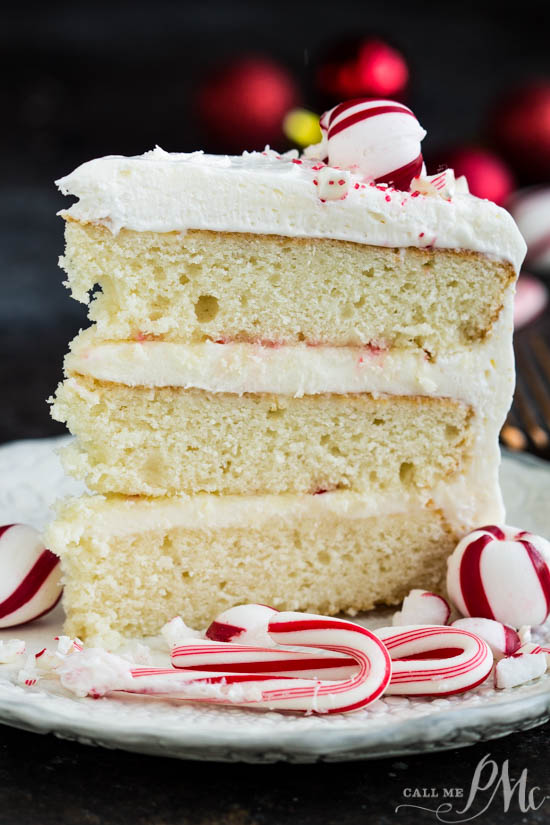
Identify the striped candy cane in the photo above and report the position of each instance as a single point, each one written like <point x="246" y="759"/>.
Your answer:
<point x="435" y="661"/>
<point x="215" y="656"/>
<point x="96" y="673"/>
<point x="465" y="661"/>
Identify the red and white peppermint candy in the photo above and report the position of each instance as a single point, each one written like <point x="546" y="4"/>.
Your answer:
<point x="443" y="184"/>
<point x="30" y="580"/>
<point x="533" y="647"/>
<point x="333" y="184"/>
<point x="422" y="607"/>
<point x="502" y="573"/>
<point x="380" y="138"/>
<point x="435" y="661"/>
<point x="95" y="673"/>
<point x="501" y="638"/>
<point x="11" y="650"/>
<point x="520" y="668"/>
<point x="246" y="624"/>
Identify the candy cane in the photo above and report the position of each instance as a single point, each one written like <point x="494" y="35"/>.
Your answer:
<point x="435" y="661"/>
<point x="96" y="673"/>
<point x="250" y="623"/>
<point x="283" y="662"/>
<point x="278" y="661"/>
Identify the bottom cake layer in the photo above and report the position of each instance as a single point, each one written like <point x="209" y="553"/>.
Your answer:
<point x="130" y="565"/>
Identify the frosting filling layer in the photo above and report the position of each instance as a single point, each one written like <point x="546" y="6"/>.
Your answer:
<point x="118" y="516"/>
<point x="481" y="373"/>
<point x="264" y="192"/>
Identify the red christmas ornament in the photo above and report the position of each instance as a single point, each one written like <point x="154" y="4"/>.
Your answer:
<point x="487" y="175"/>
<point x="242" y="104"/>
<point x="520" y="128"/>
<point x="368" y="67"/>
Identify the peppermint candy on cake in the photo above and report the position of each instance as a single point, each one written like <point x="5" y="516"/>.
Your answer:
<point x="444" y="184"/>
<point x="502" y="573"/>
<point x="333" y="184"/>
<point x="379" y="138"/>
<point x="30" y="581"/>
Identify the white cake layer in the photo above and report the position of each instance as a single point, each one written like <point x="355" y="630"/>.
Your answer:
<point x="264" y="192"/>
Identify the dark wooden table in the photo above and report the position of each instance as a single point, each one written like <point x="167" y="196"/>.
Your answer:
<point x="45" y="780"/>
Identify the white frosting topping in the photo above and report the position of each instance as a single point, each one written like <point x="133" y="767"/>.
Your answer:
<point x="264" y="192"/>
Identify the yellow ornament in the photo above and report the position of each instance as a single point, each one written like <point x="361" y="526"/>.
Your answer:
<point x="302" y="127"/>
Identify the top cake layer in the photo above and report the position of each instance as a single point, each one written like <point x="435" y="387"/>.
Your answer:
<point x="272" y="194"/>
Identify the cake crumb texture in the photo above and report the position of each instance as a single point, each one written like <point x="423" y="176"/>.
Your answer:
<point x="132" y="584"/>
<point x="203" y="285"/>
<point x="165" y="440"/>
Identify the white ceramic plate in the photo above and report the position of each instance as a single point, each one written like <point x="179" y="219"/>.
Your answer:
<point x="30" y="480"/>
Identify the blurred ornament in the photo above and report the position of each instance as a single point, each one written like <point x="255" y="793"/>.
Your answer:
<point x="487" y="175"/>
<point x="242" y="104"/>
<point x="302" y="127"/>
<point x="531" y="298"/>
<point x="520" y="128"/>
<point x="531" y="211"/>
<point x="363" y="67"/>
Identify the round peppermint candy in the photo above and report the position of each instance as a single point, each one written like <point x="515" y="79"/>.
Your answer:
<point x="380" y="138"/>
<point x="502" y="573"/>
<point x="30" y="576"/>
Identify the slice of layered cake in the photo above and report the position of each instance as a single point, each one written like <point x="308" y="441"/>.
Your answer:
<point x="294" y="383"/>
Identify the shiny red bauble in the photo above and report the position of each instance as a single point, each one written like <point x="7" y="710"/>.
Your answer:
<point x="365" y="67"/>
<point x="241" y="105"/>
<point x="487" y="175"/>
<point x="520" y="129"/>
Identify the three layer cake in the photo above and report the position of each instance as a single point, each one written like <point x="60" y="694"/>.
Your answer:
<point x="292" y="390"/>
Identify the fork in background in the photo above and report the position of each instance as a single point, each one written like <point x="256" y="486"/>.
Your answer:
<point x="528" y="423"/>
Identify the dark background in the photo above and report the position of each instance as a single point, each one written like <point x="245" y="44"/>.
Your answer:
<point x="81" y="80"/>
